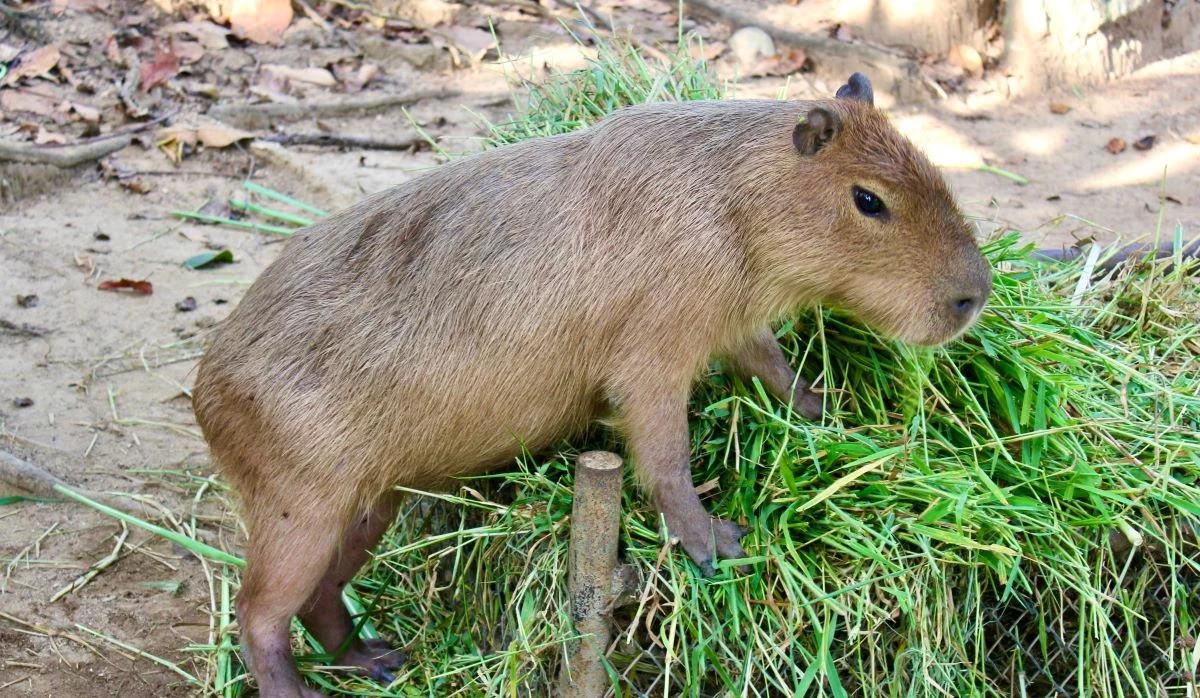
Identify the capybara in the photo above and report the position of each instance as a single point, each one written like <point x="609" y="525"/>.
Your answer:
<point x="504" y="301"/>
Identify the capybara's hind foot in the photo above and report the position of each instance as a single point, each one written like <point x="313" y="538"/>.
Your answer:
<point x="377" y="659"/>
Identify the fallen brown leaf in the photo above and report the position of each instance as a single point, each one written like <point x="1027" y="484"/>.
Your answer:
<point x="25" y="101"/>
<point x="34" y="64"/>
<point x="1059" y="108"/>
<point x="210" y="36"/>
<point x="356" y="80"/>
<point x="792" y="61"/>
<point x="471" y="41"/>
<point x="188" y="51"/>
<point x="312" y="76"/>
<point x="966" y="58"/>
<point x="164" y="67"/>
<point x="139" y="287"/>
<point x="260" y="21"/>
<point x="216" y="135"/>
<point x="1145" y="142"/>
<point x="1115" y="145"/>
<point x="44" y="137"/>
<point x="60" y="6"/>
<point x="86" y="112"/>
<point x="137" y="185"/>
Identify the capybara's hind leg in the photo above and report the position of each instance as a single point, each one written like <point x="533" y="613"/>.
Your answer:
<point x="288" y="554"/>
<point x="325" y="614"/>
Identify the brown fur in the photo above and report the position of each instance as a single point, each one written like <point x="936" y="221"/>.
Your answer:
<point x="508" y="299"/>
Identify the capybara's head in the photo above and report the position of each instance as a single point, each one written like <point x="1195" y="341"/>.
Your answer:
<point x="901" y="256"/>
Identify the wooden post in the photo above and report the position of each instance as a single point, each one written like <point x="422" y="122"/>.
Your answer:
<point x="593" y="574"/>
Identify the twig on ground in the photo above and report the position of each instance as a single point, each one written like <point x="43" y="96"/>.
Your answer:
<point x="336" y="140"/>
<point x="22" y="330"/>
<point x="263" y="115"/>
<point x="96" y="567"/>
<point x="62" y="156"/>
<point x="23" y="475"/>
<point x="1137" y="251"/>
<point x="129" y="85"/>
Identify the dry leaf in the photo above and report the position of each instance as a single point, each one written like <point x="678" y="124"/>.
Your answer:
<point x="140" y="287"/>
<point x="33" y="64"/>
<point x="8" y="52"/>
<point x="1059" y="108"/>
<point x="355" y="80"/>
<point x="260" y="21"/>
<point x="966" y="58"/>
<point x="210" y="36"/>
<point x="1145" y="142"/>
<point x="1115" y="145"/>
<point x="25" y="101"/>
<point x="471" y="41"/>
<point x="793" y="61"/>
<point x="188" y="51"/>
<point x="45" y="137"/>
<point x="164" y="67"/>
<point x="86" y="112"/>
<point x="60" y="6"/>
<point x="137" y="185"/>
<point x="311" y="76"/>
<point x="215" y="135"/>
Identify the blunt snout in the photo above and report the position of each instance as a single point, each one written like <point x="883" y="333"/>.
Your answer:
<point x="971" y="292"/>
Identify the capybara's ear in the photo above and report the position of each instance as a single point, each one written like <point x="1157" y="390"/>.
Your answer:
<point x="858" y="87"/>
<point x="818" y="128"/>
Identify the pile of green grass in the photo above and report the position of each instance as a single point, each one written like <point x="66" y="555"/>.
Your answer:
<point x="1015" y="514"/>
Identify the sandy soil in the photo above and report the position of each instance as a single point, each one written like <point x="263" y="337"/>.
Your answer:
<point x="107" y="373"/>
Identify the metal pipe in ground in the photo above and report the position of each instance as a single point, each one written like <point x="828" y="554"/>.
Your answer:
<point x="595" y="528"/>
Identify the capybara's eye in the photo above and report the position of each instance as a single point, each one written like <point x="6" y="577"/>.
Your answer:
<point x="868" y="202"/>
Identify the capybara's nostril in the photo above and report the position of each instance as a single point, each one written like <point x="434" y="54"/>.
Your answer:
<point x="966" y="306"/>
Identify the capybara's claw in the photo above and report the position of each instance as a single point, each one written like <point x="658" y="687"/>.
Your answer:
<point x="723" y="536"/>
<point x="808" y="403"/>
<point x="376" y="658"/>
<point x="728" y="536"/>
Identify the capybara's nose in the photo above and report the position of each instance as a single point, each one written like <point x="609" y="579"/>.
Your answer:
<point x="965" y="307"/>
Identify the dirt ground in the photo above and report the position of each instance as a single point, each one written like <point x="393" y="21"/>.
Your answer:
<point x="93" y="384"/>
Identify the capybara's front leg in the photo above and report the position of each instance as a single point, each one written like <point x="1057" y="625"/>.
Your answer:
<point x="761" y="356"/>
<point x="657" y="433"/>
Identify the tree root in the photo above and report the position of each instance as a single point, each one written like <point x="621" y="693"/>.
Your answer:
<point x="23" y="475"/>
<point x="336" y="140"/>
<point x="1136" y="251"/>
<point x="62" y="156"/>
<point x="261" y="116"/>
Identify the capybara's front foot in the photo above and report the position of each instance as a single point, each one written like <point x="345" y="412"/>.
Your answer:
<point x="701" y="539"/>
<point x="806" y="401"/>
<point x="376" y="658"/>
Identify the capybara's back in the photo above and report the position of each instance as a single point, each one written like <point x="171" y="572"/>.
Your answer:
<point x="505" y="300"/>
